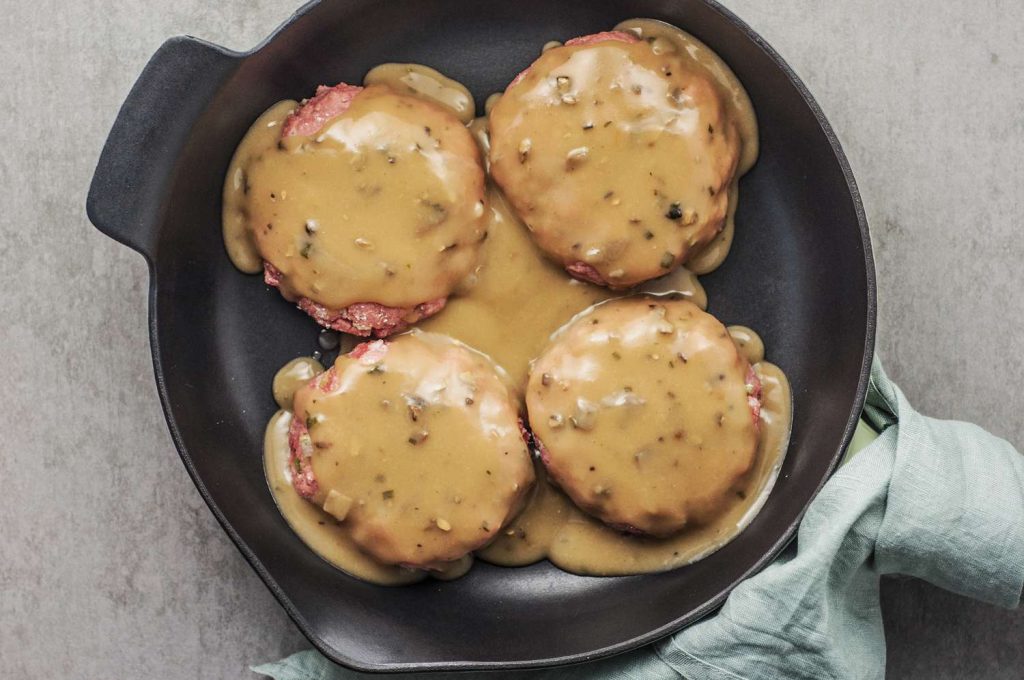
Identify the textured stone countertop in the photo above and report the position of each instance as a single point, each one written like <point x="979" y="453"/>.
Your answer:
<point x="111" y="566"/>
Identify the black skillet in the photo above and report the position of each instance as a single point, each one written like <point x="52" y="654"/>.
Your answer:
<point x="800" y="273"/>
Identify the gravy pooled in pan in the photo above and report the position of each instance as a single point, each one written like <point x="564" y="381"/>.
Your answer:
<point x="507" y="306"/>
<point x="414" y="446"/>
<point x="517" y="297"/>
<point x="621" y="153"/>
<point x="363" y="205"/>
<point x="553" y="527"/>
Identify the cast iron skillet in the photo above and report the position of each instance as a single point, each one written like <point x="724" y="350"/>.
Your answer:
<point x="800" y="273"/>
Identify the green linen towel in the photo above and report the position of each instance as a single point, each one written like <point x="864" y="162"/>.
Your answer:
<point x="939" y="500"/>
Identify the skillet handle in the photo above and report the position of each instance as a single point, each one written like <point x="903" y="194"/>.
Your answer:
<point x="128" y="190"/>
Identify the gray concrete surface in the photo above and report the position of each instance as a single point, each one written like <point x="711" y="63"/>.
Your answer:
<point x="110" y="564"/>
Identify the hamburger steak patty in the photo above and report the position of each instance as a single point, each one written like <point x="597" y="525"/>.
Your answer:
<point x="414" y="221"/>
<point x="618" y="158"/>
<point x="645" y="413"/>
<point x="581" y="270"/>
<point x="415" y="445"/>
<point x="362" y="318"/>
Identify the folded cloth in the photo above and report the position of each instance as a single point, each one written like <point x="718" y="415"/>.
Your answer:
<point x="939" y="500"/>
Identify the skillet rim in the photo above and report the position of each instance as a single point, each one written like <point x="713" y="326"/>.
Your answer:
<point x="635" y="642"/>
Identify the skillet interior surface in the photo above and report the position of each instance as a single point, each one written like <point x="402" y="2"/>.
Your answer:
<point x="800" y="273"/>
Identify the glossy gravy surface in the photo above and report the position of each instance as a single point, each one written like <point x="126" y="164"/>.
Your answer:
<point x="320" y="531"/>
<point x="553" y="527"/>
<point x="665" y="37"/>
<point x="642" y="405"/>
<point x="507" y="308"/>
<point x="416" y="447"/>
<point x="384" y="204"/>
<point x="517" y="298"/>
<point x="568" y="135"/>
<point x="427" y="83"/>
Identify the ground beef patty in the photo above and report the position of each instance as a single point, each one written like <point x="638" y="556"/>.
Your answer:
<point x="618" y="159"/>
<point x="360" y="318"/>
<point x="415" y="444"/>
<point x="645" y="413"/>
<point x="370" y="209"/>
